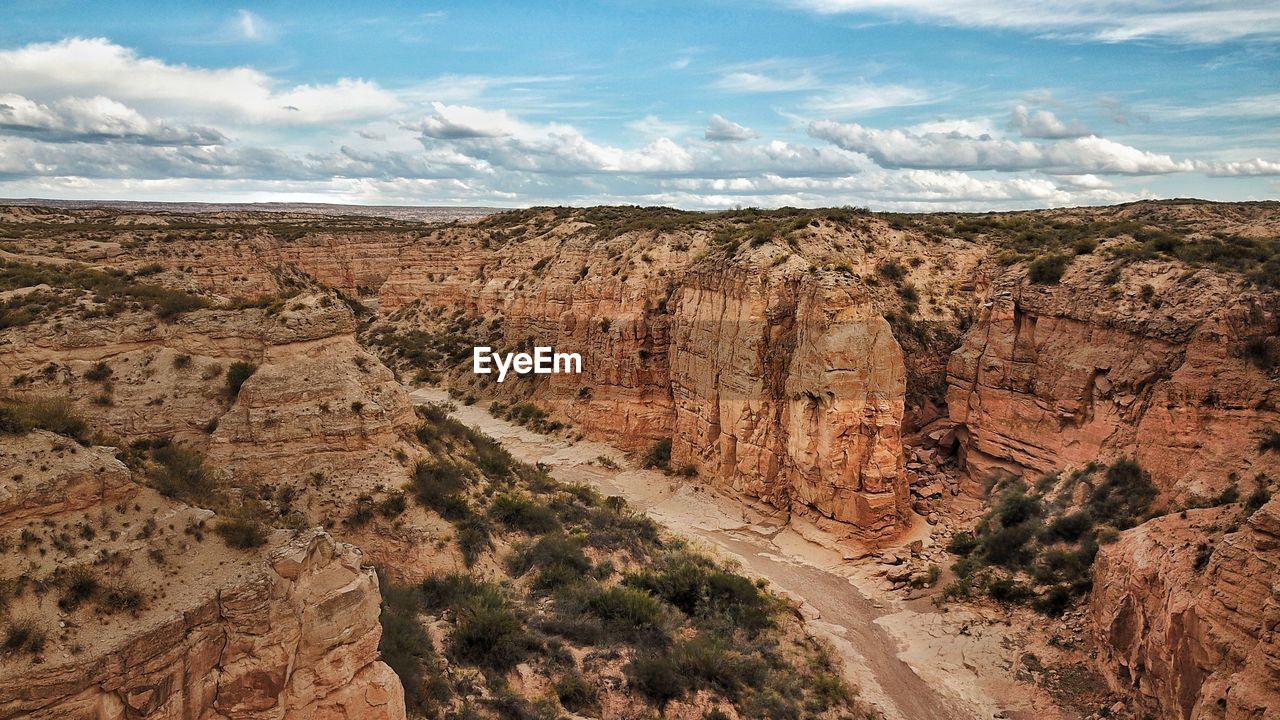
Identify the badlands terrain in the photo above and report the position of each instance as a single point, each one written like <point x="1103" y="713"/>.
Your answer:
<point x="818" y="464"/>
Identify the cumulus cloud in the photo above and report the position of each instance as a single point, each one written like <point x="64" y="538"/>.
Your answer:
<point x="1044" y="124"/>
<point x="97" y="67"/>
<point x="94" y="119"/>
<point x="1196" y="21"/>
<point x="721" y="129"/>
<point x="957" y="151"/>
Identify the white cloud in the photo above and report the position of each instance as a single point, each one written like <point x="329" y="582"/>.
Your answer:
<point x="721" y="129"/>
<point x="93" y="119"/>
<point x="250" y="27"/>
<point x="1044" y="124"/>
<point x="652" y="126"/>
<point x="95" y="66"/>
<point x="958" y="151"/>
<point x="453" y="122"/>
<point x="861" y="98"/>
<point x="1238" y="168"/>
<point x="769" y="76"/>
<point x="1196" y="21"/>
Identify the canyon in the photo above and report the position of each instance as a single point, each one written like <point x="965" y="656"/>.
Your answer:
<point x="878" y="378"/>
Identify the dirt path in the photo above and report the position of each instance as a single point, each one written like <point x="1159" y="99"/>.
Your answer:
<point x="911" y="664"/>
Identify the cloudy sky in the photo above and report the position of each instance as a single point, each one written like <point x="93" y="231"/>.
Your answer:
<point x="892" y="104"/>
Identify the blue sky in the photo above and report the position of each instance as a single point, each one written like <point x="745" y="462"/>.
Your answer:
<point x="892" y="104"/>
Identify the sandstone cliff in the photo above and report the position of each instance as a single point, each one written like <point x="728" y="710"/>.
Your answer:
<point x="298" y="638"/>
<point x="1186" y="616"/>
<point x="1061" y="375"/>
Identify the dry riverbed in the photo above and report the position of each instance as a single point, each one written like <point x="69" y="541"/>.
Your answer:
<point x="910" y="660"/>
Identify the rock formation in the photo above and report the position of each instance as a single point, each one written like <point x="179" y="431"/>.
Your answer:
<point x="297" y="639"/>
<point x="1193" y="634"/>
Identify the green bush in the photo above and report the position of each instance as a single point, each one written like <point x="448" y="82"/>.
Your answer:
<point x="558" y="557"/>
<point x="576" y="694"/>
<point x="237" y="374"/>
<point x="701" y="590"/>
<point x="1124" y="495"/>
<point x="658" y="678"/>
<point x="438" y="484"/>
<point x="659" y="456"/>
<point x="519" y="512"/>
<point x="180" y="473"/>
<point x="1048" y="270"/>
<point x="406" y="647"/>
<point x="627" y="612"/>
<point x="491" y="637"/>
<point x="242" y="533"/>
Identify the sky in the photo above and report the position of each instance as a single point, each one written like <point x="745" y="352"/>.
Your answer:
<point x="916" y="105"/>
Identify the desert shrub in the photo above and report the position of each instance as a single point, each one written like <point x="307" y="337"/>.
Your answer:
<point x="1070" y="527"/>
<point x="1048" y="270"/>
<point x="962" y="543"/>
<point x="558" y="558"/>
<point x="237" y="374"/>
<point x="1007" y="590"/>
<point x="406" y="647"/>
<point x="577" y="694"/>
<point x="1124" y="495"/>
<point x="658" y="678"/>
<point x="24" y="635"/>
<point x="473" y="538"/>
<point x="120" y="595"/>
<point x="79" y="583"/>
<point x="628" y="612"/>
<point x="892" y="270"/>
<point x="659" y="456"/>
<point x="392" y="506"/>
<point x="438" y="484"/>
<point x="520" y="512"/>
<point x="1055" y="602"/>
<point x="1016" y="507"/>
<point x="701" y="590"/>
<point x="491" y="637"/>
<point x="242" y="533"/>
<point x="12" y="422"/>
<point x="55" y="414"/>
<point x="179" y="472"/>
<point x="99" y="372"/>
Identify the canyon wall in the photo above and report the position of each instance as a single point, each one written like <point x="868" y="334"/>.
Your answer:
<point x="299" y="639"/>
<point x="1058" y="375"/>
<point x="789" y="388"/>
<point x="1193" y="635"/>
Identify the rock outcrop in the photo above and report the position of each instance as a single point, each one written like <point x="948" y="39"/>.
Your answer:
<point x="1193" y="635"/>
<point x="43" y="475"/>
<point x="298" y="639"/>
<point x="1056" y="375"/>
<point x="789" y="388"/>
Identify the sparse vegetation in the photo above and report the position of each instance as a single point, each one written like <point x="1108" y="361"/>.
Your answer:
<point x="1034" y="547"/>
<point x="237" y="374"/>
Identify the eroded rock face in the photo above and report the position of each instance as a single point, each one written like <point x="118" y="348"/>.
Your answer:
<point x="1193" y="642"/>
<point x="166" y="378"/>
<point x="1065" y="374"/>
<point x="43" y="475"/>
<point x="321" y="406"/>
<point x="789" y="389"/>
<point x="299" y="640"/>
